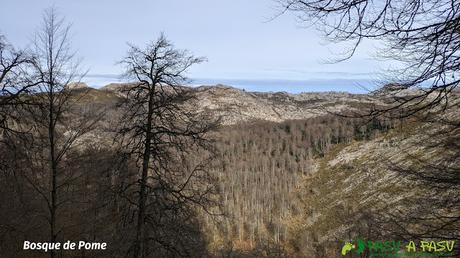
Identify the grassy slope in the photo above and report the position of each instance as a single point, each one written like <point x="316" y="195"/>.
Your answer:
<point x="354" y="193"/>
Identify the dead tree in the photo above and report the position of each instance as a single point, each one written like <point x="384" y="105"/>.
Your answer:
<point x="161" y="131"/>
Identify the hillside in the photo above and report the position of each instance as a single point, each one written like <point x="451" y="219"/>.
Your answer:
<point x="288" y="177"/>
<point x="290" y="172"/>
<point x="400" y="185"/>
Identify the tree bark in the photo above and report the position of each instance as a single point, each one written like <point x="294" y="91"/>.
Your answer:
<point x="140" y="229"/>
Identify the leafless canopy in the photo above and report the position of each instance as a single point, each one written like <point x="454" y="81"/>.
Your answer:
<point x="13" y="80"/>
<point x="162" y="132"/>
<point x="53" y="125"/>
<point x="422" y="35"/>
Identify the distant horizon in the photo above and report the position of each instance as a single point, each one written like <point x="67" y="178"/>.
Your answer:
<point x="255" y="51"/>
<point x="295" y="86"/>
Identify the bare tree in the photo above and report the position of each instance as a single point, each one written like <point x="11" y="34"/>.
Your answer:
<point x="50" y="119"/>
<point x="13" y="84"/>
<point x="422" y="35"/>
<point x="13" y="80"/>
<point x="161" y="130"/>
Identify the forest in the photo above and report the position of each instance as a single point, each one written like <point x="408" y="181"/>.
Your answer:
<point x="147" y="173"/>
<point x="235" y="204"/>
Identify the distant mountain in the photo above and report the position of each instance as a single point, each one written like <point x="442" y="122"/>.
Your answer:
<point x="238" y="106"/>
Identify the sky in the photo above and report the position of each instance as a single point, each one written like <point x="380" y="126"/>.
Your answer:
<point x="242" y="41"/>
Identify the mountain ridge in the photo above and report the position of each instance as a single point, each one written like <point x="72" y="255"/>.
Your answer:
<point x="235" y="105"/>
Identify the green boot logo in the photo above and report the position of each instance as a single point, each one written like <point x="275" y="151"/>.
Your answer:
<point x="347" y="248"/>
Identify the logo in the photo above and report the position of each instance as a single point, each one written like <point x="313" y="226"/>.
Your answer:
<point x="394" y="248"/>
<point x="347" y="248"/>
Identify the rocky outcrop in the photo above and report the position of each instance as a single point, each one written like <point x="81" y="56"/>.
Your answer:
<point x="77" y="85"/>
<point x="235" y="106"/>
<point x="238" y="106"/>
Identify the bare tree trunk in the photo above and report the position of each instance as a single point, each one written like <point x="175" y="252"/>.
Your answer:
<point x="140" y="231"/>
<point x="53" y="166"/>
